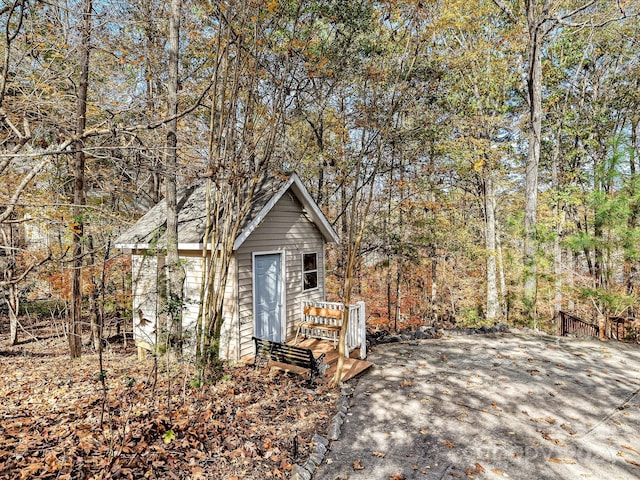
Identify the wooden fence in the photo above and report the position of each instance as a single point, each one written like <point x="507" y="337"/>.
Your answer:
<point x="571" y="325"/>
<point x="623" y="328"/>
<point x="615" y="328"/>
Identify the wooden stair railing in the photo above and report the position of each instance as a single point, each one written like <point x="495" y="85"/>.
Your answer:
<point x="571" y="325"/>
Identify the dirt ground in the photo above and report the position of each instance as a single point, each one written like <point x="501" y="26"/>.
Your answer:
<point x="59" y="422"/>
<point x="526" y="407"/>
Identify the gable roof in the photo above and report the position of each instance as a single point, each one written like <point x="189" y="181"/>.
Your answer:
<point x="150" y="228"/>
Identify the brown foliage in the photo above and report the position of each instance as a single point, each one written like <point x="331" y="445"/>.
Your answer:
<point x="249" y="425"/>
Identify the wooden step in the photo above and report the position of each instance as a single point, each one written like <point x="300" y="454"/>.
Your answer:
<point x="351" y="368"/>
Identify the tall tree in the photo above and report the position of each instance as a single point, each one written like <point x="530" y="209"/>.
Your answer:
<point x="249" y="103"/>
<point x="175" y="271"/>
<point x="482" y="90"/>
<point x="542" y="19"/>
<point x="79" y="199"/>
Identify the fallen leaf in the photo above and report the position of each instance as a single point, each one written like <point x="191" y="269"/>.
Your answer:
<point x="250" y="448"/>
<point x="197" y="473"/>
<point x="554" y="460"/>
<point x="357" y="465"/>
<point x="479" y="468"/>
<point x="29" y="470"/>
<point x="379" y="454"/>
<point x="630" y="448"/>
<point x="449" y="444"/>
<point x="397" y="476"/>
<point x="547" y="436"/>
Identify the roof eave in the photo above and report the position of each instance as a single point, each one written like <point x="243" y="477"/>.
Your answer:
<point x="146" y="246"/>
<point x="133" y="246"/>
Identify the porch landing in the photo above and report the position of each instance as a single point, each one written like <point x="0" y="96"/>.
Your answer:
<point x="352" y="366"/>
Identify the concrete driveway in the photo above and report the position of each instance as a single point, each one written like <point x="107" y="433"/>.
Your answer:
<point x="493" y="406"/>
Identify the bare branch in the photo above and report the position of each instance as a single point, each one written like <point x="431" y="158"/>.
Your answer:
<point x="506" y="10"/>
<point x="576" y="11"/>
<point x="23" y="275"/>
<point x="25" y="181"/>
<point x="562" y="20"/>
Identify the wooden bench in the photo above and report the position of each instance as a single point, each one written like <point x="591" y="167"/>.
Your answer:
<point x="320" y="322"/>
<point x="289" y="354"/>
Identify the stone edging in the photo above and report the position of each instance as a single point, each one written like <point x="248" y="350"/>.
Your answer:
<point x="320" y="444"/>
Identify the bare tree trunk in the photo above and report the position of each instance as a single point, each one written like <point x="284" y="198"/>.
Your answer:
<point x="571" y="270"/>
<point x="175" y="272"/>
<point x="240" y="152"/>
<point x="434" y="286"/>
<point x="398" y="293"/>
<point x="13" y="302"/>
<point x="631" y="264"/>
<point x="358" y="216"/>
<point x="432" y="249"/>
<point x="75" y="320"/>
<point x="501" y="277"/>
<point x="493" y="302"/>
<point x="389" y="276"/>
<point x="389" y="282"/>
<point x="535" y="24"/>
<point x="94" y="304"/>
<point x="153" y="79"/>
<point x="557" y="249"/>
<point x="601" y="186"/>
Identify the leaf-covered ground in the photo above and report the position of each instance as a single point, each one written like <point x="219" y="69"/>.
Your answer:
<point x="58" y="423"/>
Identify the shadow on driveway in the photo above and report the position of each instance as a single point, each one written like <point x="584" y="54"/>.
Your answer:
<point x="495" y="406"/>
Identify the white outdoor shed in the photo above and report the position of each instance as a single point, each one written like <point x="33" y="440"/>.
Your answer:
<point x="278" y="264"/>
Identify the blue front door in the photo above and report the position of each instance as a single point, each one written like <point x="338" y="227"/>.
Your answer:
<point x="268" y="297"/>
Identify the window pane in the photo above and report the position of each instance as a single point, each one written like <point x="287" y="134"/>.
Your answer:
<point x="309" y="261"/>
<point x="310" y="280"/>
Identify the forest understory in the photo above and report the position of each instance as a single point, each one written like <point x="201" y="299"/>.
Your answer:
<point x="148" y="420"/>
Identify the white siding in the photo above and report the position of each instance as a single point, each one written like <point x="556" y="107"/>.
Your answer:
<point x="229" y="336"/>
<point x="192" y="264"/>
<point x="285" y="229"/>
<point x="146" y="301"/>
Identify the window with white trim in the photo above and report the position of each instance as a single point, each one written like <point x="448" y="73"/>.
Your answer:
<point x="309" y="271"/>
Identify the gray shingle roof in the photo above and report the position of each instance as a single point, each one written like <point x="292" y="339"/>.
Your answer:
<point x="150" y="228"/>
